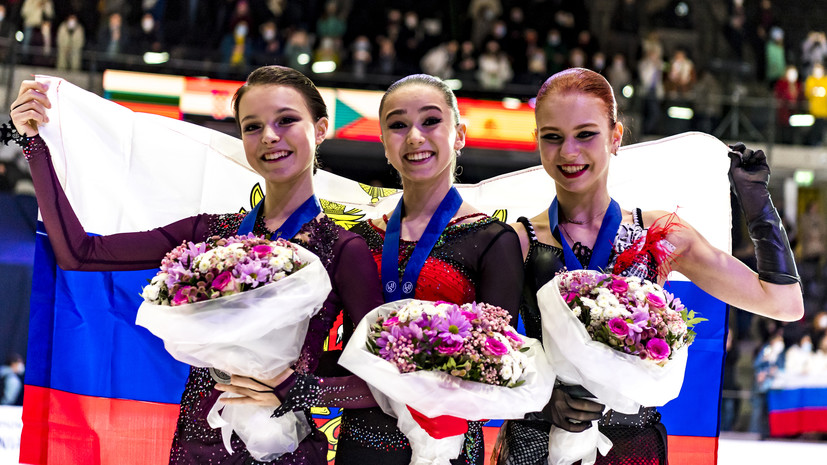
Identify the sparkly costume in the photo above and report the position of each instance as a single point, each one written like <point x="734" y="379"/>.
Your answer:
<point x="638" y="439"/>
<point x="356" y="288"/>
<point x="475" y="261"/>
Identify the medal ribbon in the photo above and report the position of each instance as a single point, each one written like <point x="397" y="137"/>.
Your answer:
<point x="602" y="246"/>
<point x="306" y="212"/>
<point x="391" y="287"/>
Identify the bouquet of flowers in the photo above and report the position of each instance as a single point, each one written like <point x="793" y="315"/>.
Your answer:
<point x="624" y="339"/>
<point x="434" y="359"/>
<point x="240" y="305"/>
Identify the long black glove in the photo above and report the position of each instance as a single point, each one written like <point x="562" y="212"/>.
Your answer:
<point x="749" y="174"/>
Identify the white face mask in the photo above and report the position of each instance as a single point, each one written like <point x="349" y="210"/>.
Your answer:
<point x="71" y="24"/>
<point x="147" y="24"/>
<point x="241" y="30"/>
<point x="777" y="347"/>
<point x="2" y="15"/>
<point x="822" y="322"/>
<point x="269" y="34"/>
<point x="807" y="346"/>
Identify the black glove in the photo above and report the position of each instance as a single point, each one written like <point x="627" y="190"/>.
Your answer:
<point x="569" y="409"/>
<point x="748" y="176"/>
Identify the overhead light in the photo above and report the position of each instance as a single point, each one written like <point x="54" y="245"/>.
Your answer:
<point x="628" y="91"/>
<point x="680" y="113"/>
<point x="453" y="84"/>
<point x="804" y="178"/>
<point x="303" y="58"/>
<point x="512" y="103"/>
<point x="320" y="67"/>
<point x="156" y="58"/>
<point x="18" y="36"/>
<point x="802" y="121"/>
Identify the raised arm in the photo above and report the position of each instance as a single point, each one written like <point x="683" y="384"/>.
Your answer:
<point x="774" y="291"/>
<point x="73" y="248"/>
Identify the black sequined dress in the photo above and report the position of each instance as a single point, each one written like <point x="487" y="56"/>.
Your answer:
<point x="637" y="439"/>
<point x="472" y="261"/>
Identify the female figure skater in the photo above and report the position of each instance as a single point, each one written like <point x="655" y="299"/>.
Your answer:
<point x="577" y="132"/>
<point x="433" y="246"/>
<point x="282" y="119"/>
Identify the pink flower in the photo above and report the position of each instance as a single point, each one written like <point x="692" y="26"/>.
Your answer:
<point x="513" y="337"/>
<point x="392" y="321"/>
<point x="619" y="286"/>
<point x="658" y="348"/>
<point x="224" y="282"/>
<point x="262" y="250"/>
<point x="655" y="301"/>
<point x="618" y="327"/>
<point x="182" y="296"/>
<point x="570" y="296"/>
<point x="495" y="347"/>
<point x="449" y="347"/>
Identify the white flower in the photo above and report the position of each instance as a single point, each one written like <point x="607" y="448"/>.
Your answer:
<point x="404" y="314"/>
<point x="577" y="311"/>
<point x="150" y="292"/>
<point x="506" y="371"/>
<point x="634" y="285"/>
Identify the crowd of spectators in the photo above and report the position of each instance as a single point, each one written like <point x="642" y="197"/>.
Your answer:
<point x="486" y="44"/>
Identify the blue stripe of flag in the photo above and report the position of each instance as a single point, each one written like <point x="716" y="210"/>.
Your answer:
<point x="83" y="338"/>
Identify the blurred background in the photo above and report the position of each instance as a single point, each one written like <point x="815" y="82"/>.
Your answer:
<point x="741" y="70"/>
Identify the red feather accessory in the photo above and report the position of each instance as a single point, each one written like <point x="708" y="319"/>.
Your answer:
<point x="652" y="249"/>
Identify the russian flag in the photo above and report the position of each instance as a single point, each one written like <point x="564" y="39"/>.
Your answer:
<point x="101" y="390"/>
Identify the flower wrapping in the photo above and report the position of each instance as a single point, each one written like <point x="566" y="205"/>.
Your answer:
<point x="435" y="393"/>
<point x="621" y="376"/>
<point x="256" y="333"/>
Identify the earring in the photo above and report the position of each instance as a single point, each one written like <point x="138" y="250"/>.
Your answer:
<point x="459" y="153"/>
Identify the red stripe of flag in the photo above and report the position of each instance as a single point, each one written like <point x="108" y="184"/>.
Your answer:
<point x="60" y="427"/>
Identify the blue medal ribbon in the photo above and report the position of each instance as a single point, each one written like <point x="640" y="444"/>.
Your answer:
<point x="602" y="246"/>
<point x="391" y="286"/>
<point x="309" y="210"/>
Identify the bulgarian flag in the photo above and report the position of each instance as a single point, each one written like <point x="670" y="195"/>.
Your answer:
<point x="101" y="390"/>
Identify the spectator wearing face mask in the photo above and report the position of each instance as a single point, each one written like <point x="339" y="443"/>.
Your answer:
<point x="112" y="37"/>
<point x="769" y="361"/>
<point x="70" y="42"/>
<point x="361" y="58"/>
<point x="556" y="52"/>
<point x="236" y="47"/>
<point x="789" y="97"/>
<point x="267" y="48"/>
<point x="148" y="37"/>
<point x="799" y="354"/>
<point x="815" y="89"/>
<point x="11" y="380"/>
<point x="775" y="55"/>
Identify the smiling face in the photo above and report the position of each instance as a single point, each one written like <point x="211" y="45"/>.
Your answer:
<point x="279" y="133"/>
<point x="576" y="140"/>
<point x="420" y="134"/>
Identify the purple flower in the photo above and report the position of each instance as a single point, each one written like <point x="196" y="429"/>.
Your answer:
<point x="449" y="347"/>
<point x="619" y="286"/>
<point x="454" y="327"/>
<point x="618" y="327"/>
<point x="495" y="347"/>
<point x="658" y="348"/>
